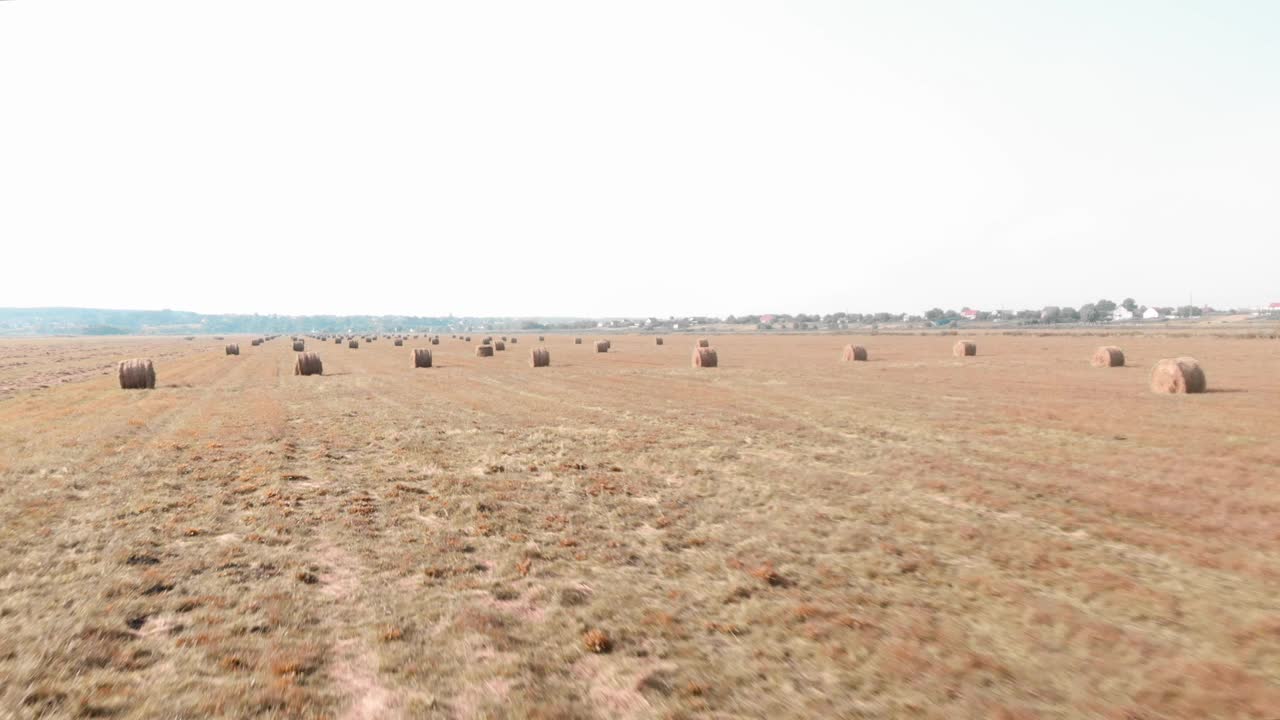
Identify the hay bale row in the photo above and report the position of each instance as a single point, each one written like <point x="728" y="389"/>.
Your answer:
<point x="137" y="374"/>
<point x="308" y="363"/>
<point x="1170" y="375"/>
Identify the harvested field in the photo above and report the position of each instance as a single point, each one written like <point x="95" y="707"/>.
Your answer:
<point x="619" y="535"/>
<point x="47" y="362"/>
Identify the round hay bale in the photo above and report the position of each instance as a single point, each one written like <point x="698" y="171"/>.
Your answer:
<point x="486" y="341"/>
<point x="308" y="363"/>
<point x="337" y="341"/>
<point x="299" y="346"/>
<point x="854" y="353"/>
<point x="255" y="342"/>
<point x="602" y="346"/>
<point x="398" y="343"/>
<point x="539" y="357"/>
<point x="137" y="374"/>
<point x="657" y="341"/>
<point x="503" y="338"/>
<point x="484" y="351"/>
<point x="703" y="342"/>
<point x="963" y="349"/>
<point x="541" y="339"/>
<point x="421" y="358"/>
<point x="435" y="341"/>
<point x="512" y="341"/>
<point x="1178" y="375"/>
<point x="233" y="349"/>
<point x="499" y="346"/>
<point x="467" y="339"/>
<point x="577" y="341"/>
<point x="353" y="345"/>
<point x="704" y="357"/>
<point x="1108" y="356"/>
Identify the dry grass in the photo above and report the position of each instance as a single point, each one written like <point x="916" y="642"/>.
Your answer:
<point x="1007" y="535"/>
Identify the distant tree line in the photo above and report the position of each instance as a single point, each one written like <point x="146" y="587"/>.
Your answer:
<point x="87" y="321"/>
<point x="1089" y="312"/>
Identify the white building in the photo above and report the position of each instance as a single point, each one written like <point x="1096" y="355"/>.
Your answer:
<point x="1151" y="314"/>
<point x="1121" y="314"/>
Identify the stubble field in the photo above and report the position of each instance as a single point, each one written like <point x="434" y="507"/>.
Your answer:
<point x="1013" y="535"/>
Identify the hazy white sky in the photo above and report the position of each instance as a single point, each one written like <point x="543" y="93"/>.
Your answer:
<point x="635" y="158"/>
